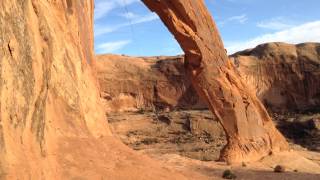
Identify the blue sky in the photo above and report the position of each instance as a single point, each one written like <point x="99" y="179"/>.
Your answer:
<point x="128" y="27"/>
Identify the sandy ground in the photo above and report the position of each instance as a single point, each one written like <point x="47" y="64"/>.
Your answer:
<point x="191" y="141"/>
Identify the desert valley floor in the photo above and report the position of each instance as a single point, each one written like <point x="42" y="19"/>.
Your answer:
<point x="192" y="140"/>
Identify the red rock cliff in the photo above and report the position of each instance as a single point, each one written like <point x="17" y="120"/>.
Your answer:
<point x="52" y="125"/>
<point x="286" y="77"/>
<point x="153" y="83"/>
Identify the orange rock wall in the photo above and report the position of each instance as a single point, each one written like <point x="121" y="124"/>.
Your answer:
<point x="138" y="83"/>
<point x="285" y="77"/>
<point x="52" y="124"/>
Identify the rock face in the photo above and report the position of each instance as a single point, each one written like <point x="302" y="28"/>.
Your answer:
<point x="52" y="124"/>
<point x="286" y="77"/>
<point x="249" y="129"/>
<point x="154" y="83"/>
<point x="45" y="56"/>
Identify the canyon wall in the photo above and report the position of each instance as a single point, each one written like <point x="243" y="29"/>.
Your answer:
<point x="45" y="77"/>
<point x="52" y="124"/>
<point x="285" y="77"/>
<point x="145" y="83"/>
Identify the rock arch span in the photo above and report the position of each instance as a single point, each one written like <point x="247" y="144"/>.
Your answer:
<point x="250" y="131"/>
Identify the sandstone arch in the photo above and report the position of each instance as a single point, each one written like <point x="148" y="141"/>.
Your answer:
<point x="250" y="131"/>
<point x="52" y="125"/>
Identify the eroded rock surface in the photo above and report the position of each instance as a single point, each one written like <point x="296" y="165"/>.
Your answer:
<point x="45" y="56"/>
<point x="286" y="77"/>
<point x="153" y="83"/>
<point x="249" y="129"/>
<point x="52" y="124"/>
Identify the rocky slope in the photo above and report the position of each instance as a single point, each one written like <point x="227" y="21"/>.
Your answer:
<point x="285" y="76"/>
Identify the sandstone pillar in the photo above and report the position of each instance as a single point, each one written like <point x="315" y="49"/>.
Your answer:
<point x="250" y="131"/>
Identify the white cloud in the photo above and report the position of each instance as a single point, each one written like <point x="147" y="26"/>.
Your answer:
<point x="126" y="2"/>
<point x="243" y="18"/>
<point x="146" y="18"/>
<point x="308" y="32"/>
<point x="110" y="47"/>
<point x="100" y="30"/>
<point x="103" y="7"/>
<point x="129" y="15"/>
<point x="278" y="23"/>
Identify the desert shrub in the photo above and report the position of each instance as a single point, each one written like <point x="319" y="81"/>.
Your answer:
<point x="228" y="174"/>
<point x="279" y="169"/>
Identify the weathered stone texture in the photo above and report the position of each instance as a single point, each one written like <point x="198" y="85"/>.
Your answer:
<point x="285" y="77"/>
<point x="250" y="131"/>
<point x="52" y="123"/>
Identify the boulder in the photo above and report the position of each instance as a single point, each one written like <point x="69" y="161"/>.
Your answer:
<point x="314" y="124"/>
